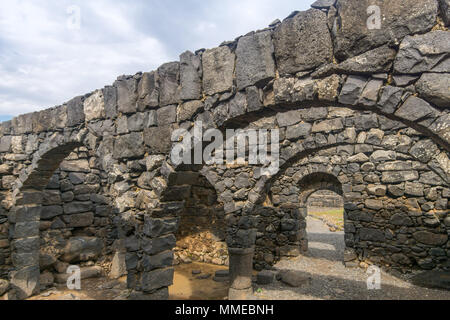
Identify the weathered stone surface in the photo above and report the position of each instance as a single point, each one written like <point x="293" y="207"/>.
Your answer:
<point x="168" y="79"/>
<point x="118" y="266"/>
<point x="328" y="126"/>
<point x="157" y="279"/>
<point x="190" y="76"/>
<point x="430" y="238"/>
<point x="323" y="4"/>
<point x="218" y="69"/>
<point x="398" y="19"/>
<point x="82" y="249"/>
<point x="158" y="139"/>
<point x="299" y="130"/>
<point x="400" y="219"/>
<point x="294" y="90"/>
<point x="445" y="10"/>
<point x="399" y="176"/>
<point x="390" y="99"/>
<point x="166" y="115"/>
<point x="94" y="106"/>
<point x="75" y="112"/>
<point x="188" y="109"/>
<point x="127" y="95"/>
<point x="255" y="64"/>
<point x="424" y="150"/>
<point x="415" y="109"/>
<point x="375" y="61"/>
<point x="327" y="89"/>
<point x="352" y="90"/>
<point x="148" y="90"/>
<point x="302" y="42"/>
<point x="25" y="282"/>
<point x="368" y="234"/>
<point x="79" y="220"/>
<point x="435" y="88"/>
<point x="129" y="146"/>
<point x="424" y="53"/>
<point x="4" y="286"/>
<point x="110" y="95"/>
<point x="369" y="95"/>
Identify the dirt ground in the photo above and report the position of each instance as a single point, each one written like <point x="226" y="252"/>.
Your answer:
<point x="186" y="286"/>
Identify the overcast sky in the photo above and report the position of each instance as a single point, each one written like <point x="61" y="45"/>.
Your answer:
<point x="45" y="59"/>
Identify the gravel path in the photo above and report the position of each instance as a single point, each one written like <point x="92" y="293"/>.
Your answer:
<point x="327" y="278"/>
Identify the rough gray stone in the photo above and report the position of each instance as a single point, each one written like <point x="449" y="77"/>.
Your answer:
<point x="352" y="90"/>
<point x="424" y="150"/>
<point x="75" y="112"/>
<point x="399" y="19"/>
<point x="297" y="131"/>
<point x="445" y="9"/>
<point x="127" y="95"/>
<point x="129" y="146"/>
<point x="369" y="234"/>
<point x="435" y="88"/>
<point x="157" y="279"/>
<point x="94" y="106"/>
<point x="255" y="64"/>
<point x="190" y="76"/>
<point x="82" y="249"/>
<point x="424" y="53"/>
<point x="187" y="110"/>
<point x="303" y="42"/>
<point x="323" y="4"/>
<point x="168" y="79"/>
<point x="390" y="99"/>
<point x="148" y="90"/>
<point x="158" y="139"/>
<point x="430" y="238"/>
<point x="218" y="69"/>
<point x="416" y="109"/>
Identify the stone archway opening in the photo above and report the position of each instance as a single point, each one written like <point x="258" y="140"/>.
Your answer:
<point x="322" y="226"/>
<point x="67" y="214"/>
<point x="324" y="231"/>
<point x="200" y="255"/>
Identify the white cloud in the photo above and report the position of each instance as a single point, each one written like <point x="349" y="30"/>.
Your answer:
<point x="43" y="63"/>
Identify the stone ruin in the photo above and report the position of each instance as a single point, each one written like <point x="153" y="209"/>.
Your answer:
<point x="362" y="112"/>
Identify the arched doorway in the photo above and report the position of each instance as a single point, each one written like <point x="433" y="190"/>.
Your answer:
<point x="63" y="217"/>
<point x="200" y="253"/>
<point x="321" y="200"/>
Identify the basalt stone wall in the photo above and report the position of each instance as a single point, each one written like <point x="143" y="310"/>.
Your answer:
<point x="308" y="72"/>
<point x="325" y="199"/>
<point x="201" y="232"/>
<point x="76" y="221"/>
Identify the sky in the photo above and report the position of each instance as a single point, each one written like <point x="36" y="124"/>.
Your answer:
<point x="54" y="50"/>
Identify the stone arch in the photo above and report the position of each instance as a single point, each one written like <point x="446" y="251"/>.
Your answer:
<point x="134" y="118"/>
<point x="318" y="181"/>
<point x="30" y="198"/>
<point x="26" y="213"/>
<point x="380" y="207"/>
